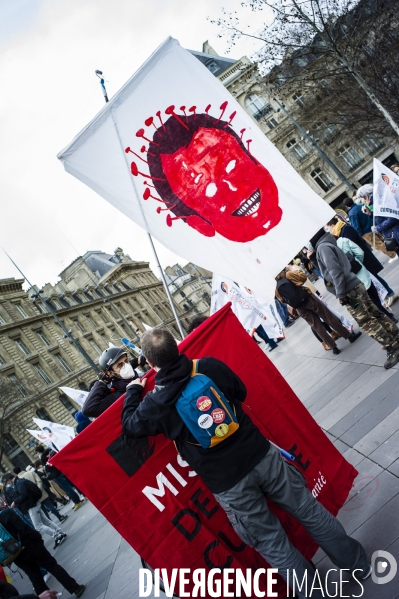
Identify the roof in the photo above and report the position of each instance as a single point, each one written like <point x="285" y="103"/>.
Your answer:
<point x="216" y="64"/>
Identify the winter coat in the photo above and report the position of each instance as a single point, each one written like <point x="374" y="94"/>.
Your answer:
<point x="17" y="528"/>
<point x="388" y="226"/>
<point x="221" y="466"/>
<point x="102" y="395"/>
<point x="335" y="266"/>
<point x="370" y="261"/>
<point x="7" y="591"/>
<point x="347" y="246"/>
<point x="34" y="478"/>
<point x="24" y="499"/>
<point x="358" y="220"/>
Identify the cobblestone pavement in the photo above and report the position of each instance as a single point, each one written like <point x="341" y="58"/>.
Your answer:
<point x="352" y="398"/>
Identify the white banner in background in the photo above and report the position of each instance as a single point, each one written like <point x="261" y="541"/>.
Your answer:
<point x="177" y="154"/>
<point x="58" y="434"/>
<point x="386" y="191"/>
<point x="250" y="310"/>
<point x="75" y="394"/>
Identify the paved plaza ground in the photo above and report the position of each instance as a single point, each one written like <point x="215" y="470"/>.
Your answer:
<point x="352" y="398"/>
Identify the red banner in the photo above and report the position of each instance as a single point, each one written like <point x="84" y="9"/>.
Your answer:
<point x="161" y="507"/>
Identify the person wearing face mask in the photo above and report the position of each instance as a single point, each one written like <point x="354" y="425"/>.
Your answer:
<point x="117" y="372"/>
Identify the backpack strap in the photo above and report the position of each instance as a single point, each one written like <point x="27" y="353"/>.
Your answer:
<point x="194" y="369"/>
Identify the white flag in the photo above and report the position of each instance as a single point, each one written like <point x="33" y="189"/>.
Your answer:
<point x="176" y="153"/>
<point x="75" y="394"/>
<point x="43" y="438"/>
<point x="386" y="191"/>
<point x="250" y="310"/>
<point x="59" y="434"/>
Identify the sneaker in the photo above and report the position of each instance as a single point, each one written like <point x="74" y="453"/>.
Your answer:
<point x="46" y="576"/>
<point x="272" y="348"/>
<point x="353" y="336"/>
<point x="368" y="573"/>
<point x="336" y="351"/>
<point x="392" y="259"/>
<point x="80" y="590"/>
<point x="392" y="359"/>
<point x="59" y="540"/>
<point x="289" y="324"/>
<point x="390" y="300"/>
<point x="77" y="505"/>
<point x="63" y="518"/>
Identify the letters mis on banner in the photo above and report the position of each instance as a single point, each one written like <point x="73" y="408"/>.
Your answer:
<point x="176" y="153"/>
<point x="161" y="507"/>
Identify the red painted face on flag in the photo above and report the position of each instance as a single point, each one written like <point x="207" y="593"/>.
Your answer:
<point x="215" y="177"/>
<point x="204" y="175"/>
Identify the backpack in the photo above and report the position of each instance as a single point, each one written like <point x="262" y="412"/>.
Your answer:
<point x="292" y="295"/>
<point x="205" y="411"/>
<point x="10" y="548"/>
<point x="33" y="489"/>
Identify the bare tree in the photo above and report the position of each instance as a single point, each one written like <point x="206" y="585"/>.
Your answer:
<point x="333" y="42"/>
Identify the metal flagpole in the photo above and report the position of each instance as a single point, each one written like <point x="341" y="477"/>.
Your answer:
<point x="172" y="305"/>
<point x="67" y="333"/>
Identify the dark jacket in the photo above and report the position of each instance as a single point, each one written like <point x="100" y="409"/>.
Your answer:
<point x="335" y="266"/>
<point x="360" y="222"/>
<point x="102" y="395"/>
<point x="9" y="493"/>
<point x="24" y="499"/>
<point x="370" y="262"/>
<point x="220" y="467"/>
<point x="388" y="226"/>
<point x="7" y="591"/>
<point x="18" y="528"/>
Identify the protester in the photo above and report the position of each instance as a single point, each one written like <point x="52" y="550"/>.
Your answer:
<point x="241" y="470"/>
<point x="9" y="494"/>
<point x="83" y="422"/>
<point x="29" y="502"/>
<point x="117" y="372"/>
<point x="8" y="591"/>
<point x="395" y="169"/>
<point x="195" y="322"/>
<point x="311" y="309"/>
<point x="340" y="229"/>
<point x="35" y="555"/>
<point x="285" y="316"/>
<point x="45" y="502"/>
<point x="351" y="293"/>
<point x="53" y="474"/>
<point x="260" y="331"/>
<point x="365" y="195"/>
<point x="54" y="491"/>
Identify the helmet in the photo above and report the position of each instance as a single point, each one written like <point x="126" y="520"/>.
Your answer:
<point x="110" y="356"/>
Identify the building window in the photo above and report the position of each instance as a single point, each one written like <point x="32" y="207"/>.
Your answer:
<point x="2" y="321"/>
<point x="321" y="179"/>
<point x="372" y="143"/>
<point x="212" y="66"/>
<point x="21" y="310"/>
<point x="40" y="307"/>
<point x="43" y="337"/>
<point x="79" y="326"/>
<point x="15" y="453"/>
<point x="67" y="404"/>
<point x="22" y="347"/>
<point x="43" y="415"/>
<point x="1" y="361"/>
<point x="95" y="347"/>
<point x="56" y="304"/>
<point x="63" y="363"/>
<point x="103" y="318"/>
<point x="257" y="106"/>
<point x="299" y="99"/>
<point x="83" y="387"/>
<point x="349" y="157"/>
<point x="18" y="385"/>
<point x="44" y="376"/>
<point x="126" y="286"/>
<point x="272" y="123"/>
<point x="296" y="149"/>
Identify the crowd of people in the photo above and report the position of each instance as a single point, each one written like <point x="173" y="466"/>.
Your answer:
<point x="243" y="467"/>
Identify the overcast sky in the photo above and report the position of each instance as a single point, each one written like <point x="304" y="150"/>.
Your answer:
<point x="49" y="50"/>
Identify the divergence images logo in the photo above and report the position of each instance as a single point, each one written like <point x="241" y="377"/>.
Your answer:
<point x="384" y="567"/>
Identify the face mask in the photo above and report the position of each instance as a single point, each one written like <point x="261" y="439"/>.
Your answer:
<point x="126" y="372"/>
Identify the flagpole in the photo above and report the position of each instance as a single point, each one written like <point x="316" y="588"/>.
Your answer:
<point x="172" y="305"/>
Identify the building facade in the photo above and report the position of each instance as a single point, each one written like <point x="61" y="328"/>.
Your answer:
<point x="257" y="95"/>
<point x="100" y="298"/>
<point x="191" y="288"/>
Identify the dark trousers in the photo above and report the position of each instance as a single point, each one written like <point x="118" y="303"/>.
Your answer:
<point x="47" y="507"/>
<point x="312" y="310"/>
<point x="35" y="556"/>
<point x="263" y="335"/>
<point x="375" y="298"/>
<point x="67" y="486"/>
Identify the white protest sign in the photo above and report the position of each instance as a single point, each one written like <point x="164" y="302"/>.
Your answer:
<point x="386" y="191"/>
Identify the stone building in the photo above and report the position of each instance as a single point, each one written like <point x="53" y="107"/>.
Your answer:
<point x="353" y="158"/>
<point x="190" y="287"/>
<point x="100" y="298"/>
